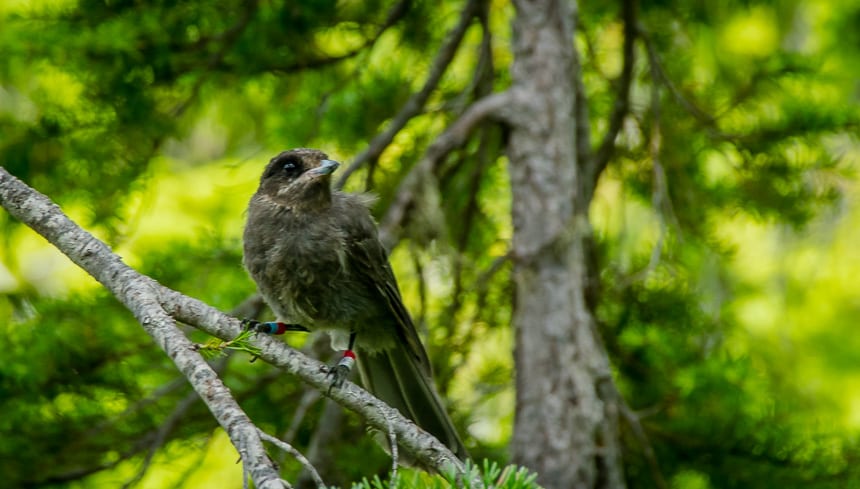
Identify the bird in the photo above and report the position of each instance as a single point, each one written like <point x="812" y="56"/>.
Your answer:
<point x="315" y="255"/>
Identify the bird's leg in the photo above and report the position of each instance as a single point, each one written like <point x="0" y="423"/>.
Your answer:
<point x="340" y="372"/>
<point x="272" y="327"/>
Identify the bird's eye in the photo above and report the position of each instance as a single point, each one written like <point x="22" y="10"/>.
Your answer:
<point x="282" y="167"/>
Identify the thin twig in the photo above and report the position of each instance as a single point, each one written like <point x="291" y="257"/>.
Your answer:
<point x="501" y="105"/>
<point x="394" y="15"/>
<point x="328" y="430"/>
<point x="582" y="119"/>
<point x="392" y="440"/>
<point x="158" y="393"/>
<point x="309" y="398"/>
<point x="590" y="50"/>
<point x="659" y="74"/>
<point x="421" y="317"/>
<point x="483" y="86"/>
<point x="193" y="467"/>
<point x="642" y="437"/>
<point x="416" y="102"/>
<point x="296" y="454"/>
<point x="161" y="435"/>
<point x="480" y="286"/>
<point x="622" y="98"/>
<point x="659" y="195"/>
<point x="481" y="83"/>
<point x="481" y="161"/>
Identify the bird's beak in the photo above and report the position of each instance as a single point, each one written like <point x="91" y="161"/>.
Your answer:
<point x="326" y="167"/>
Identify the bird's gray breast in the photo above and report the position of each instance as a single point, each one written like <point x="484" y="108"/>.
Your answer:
<point x="306" y="269"/>
<point x="302" y="265"/>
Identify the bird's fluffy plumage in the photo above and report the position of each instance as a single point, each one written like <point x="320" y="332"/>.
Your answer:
<point x="317" y="260"/>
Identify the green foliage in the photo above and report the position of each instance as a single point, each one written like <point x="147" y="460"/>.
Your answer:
<point x="724" y="227"/>
<point x="67" y="378"/>
<point x="748" y="131"/>
<point x="215" y="348"/>
<point x="489" y="474"/>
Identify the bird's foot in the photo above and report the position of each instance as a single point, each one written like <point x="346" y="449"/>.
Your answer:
<point x="340" y="372"/>
<point x="272" y="327"/>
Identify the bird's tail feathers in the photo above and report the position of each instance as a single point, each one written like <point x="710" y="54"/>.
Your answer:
<point x="394" y="376"/>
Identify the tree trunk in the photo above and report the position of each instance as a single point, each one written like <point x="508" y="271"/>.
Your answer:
<point x="564" y="429"/>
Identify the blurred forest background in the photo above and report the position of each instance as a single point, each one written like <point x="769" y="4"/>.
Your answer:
<point x="726" y="226"/>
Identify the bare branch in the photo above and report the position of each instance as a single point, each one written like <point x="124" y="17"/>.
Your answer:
<point x="660" y="199"/>
<point x="161" y="436"/>
<point x="392" y="439"/>
<point x="329" y="429"/>
<point x="480" y="86"/>
<point x="392" y="443"/>
<point x="480" y="287"/>
<point x="501" y="105"/>
<point x="481" y="83"/>
<point x="416" y="102"/>
<point x="157" y="307"/>
<point x="141" y="295"/>
<point x="622" y="98"/>
<point x="659" y="74"/>
<point x="430" y="451"/>
<point x="309" y="398"/>
<point x="296" y="454"/>
<point x="250" y="308"/>
<point x="483" y="86"/>
<point x="642" y="437"/>
<point x="582" y="118"/>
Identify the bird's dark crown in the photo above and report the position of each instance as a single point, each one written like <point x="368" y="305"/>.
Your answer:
<point x="288" y="178"/>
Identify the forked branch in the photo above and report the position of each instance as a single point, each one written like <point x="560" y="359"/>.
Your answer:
<point x="157" y="308"/>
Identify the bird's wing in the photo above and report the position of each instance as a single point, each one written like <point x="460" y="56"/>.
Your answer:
<point x="371" y="261"/>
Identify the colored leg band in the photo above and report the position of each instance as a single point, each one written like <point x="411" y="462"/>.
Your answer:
<point x="272" y="328"/>
<point x="348" y="359"/>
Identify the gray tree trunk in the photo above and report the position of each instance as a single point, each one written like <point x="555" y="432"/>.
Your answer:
<point x="564" y="428"/>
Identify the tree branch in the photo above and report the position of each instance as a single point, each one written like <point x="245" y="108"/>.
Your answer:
<point x="416" y="102"/>
<point x="157" y="307"/>
<point x="622" y="99"/>
<point x="501" y="105"/>
<point x="161" y="435"/>
<point x="584" y="156"/>
<point x="427" y="449"/>
<point x="228" y="39"/>
<point x="659" y="74"/>
<point x="329" y="429"/>
<point x="296" y="454"/>
<point x="642" y="437"/>
<point x="394" y="15"/>
<point x="483" y="86"/>
<point x="141" y="295"/>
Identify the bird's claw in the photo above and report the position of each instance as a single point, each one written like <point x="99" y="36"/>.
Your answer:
<point x="340" y="372"/>
<point x="250" y="325"/>
<point x="338" y="375"/>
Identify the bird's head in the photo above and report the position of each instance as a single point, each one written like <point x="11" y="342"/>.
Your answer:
<point x="299" y="178"/>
